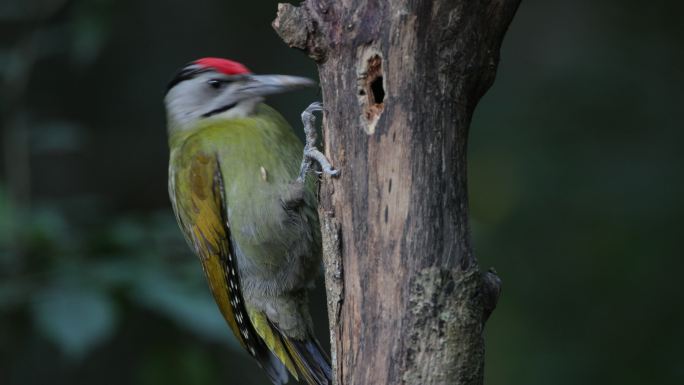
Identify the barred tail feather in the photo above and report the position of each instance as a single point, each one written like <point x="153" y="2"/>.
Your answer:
<point x="311" y="361"/>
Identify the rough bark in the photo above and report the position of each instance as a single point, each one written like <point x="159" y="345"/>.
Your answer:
<point x="400" y="79"/>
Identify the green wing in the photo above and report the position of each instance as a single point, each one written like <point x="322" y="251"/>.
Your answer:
<point x="196" y="190"/>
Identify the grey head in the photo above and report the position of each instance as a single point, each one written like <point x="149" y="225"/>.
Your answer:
<point x="213" y="88"/>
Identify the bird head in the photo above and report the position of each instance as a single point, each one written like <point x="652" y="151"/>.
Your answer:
<point x="211" y="88"/>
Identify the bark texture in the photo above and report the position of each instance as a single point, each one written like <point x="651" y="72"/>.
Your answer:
<point x="400" y="79"/>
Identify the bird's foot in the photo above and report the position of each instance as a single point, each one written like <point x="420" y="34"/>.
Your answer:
<point x="311" y="153"/>
<point x="294" y="195"/>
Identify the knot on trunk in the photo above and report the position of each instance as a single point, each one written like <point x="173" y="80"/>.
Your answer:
<point x="491" y="290"/>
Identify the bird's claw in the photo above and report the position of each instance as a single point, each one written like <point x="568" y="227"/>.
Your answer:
<point x="311" y="153"/>
<point x="313" y="107"/>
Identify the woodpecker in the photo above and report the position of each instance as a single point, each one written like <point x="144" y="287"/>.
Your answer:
<point x="234" y="187"/>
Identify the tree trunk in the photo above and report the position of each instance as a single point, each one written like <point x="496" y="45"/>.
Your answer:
<point x="406" y="300"/>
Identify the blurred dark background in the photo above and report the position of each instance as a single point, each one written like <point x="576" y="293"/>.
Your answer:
<point x="574" y="167"/>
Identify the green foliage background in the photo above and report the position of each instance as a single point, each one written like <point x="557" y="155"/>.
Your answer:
<point x="574" y="167"/>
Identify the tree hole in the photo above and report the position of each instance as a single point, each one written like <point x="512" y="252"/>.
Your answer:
<point x="378" y="91"/>
<point x="372" y="91"/>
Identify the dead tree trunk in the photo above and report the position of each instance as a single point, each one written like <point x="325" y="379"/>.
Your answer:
<point x="400" y="79"/>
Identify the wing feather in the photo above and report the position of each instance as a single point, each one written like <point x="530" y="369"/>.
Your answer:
<point x="197" y="194"/>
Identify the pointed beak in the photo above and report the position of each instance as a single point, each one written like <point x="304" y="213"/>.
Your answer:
<point x="263" y="85"/>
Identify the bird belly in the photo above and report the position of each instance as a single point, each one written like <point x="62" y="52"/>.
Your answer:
<point x="278" y="249"/>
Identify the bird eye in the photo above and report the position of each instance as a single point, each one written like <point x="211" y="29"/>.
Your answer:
<point x="215" y="84"/>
